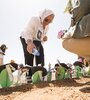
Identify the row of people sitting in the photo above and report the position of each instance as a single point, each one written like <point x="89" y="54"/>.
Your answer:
<point x="37" y="73"/>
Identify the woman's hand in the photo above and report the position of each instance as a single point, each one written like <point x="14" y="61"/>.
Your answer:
<point x="45" y="38"/>
<point x="30" y="46"/>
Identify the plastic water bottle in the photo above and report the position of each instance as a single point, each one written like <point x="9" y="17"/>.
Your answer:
<point x="35" y="52"/>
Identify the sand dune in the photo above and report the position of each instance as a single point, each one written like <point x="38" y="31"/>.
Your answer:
<point x="68" y="89"/>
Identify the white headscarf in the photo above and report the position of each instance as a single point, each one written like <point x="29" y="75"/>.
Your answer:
<point x="46" y="12"/>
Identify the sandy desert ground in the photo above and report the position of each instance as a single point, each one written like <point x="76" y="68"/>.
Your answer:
<point x="68" y="89"/>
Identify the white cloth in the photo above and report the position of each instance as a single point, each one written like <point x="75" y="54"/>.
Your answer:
<point x="8" y="67"/>
<point x="34" y="29"/>
<point x="1" y="54"/>
<point x="44" y="13"/>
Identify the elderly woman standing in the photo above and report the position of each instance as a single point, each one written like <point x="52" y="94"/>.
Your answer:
<point x="77" y="38"/>
<point x="33" y="36"/>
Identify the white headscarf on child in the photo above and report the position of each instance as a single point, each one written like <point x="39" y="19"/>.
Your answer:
<point x="43" y="14"/>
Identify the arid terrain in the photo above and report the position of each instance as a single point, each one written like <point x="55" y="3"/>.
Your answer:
<point x="68" y="89"/>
